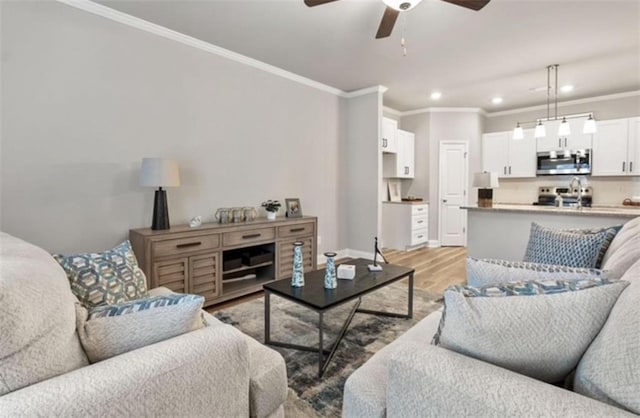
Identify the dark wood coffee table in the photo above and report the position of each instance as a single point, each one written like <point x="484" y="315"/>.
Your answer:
<point x="314" y="296"/>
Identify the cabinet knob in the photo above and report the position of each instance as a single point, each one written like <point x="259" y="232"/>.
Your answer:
<point x="444" y="200"/>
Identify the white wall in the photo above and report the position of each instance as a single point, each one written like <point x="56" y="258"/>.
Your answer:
<point x="85" y="98"/>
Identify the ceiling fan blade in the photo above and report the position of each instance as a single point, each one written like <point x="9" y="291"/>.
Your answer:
<point x="469" y="4"/>
<point x="312" y="3"/>
<point x="388" y="21"/>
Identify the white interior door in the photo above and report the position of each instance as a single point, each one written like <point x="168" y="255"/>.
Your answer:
<point x="453" y="192"/>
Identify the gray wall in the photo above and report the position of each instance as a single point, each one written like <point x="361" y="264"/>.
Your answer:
<point x="85" y="98"/>
<point x="363" y="166"/>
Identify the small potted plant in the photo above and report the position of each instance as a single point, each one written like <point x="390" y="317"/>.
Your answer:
<point x="271" y="206"/>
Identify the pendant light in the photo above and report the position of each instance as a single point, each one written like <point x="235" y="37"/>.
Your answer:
<point x="590" y="125"/>
<point x="564" y="129"/>
<point x="540" y="130"/>
<point x="518" y="133"/>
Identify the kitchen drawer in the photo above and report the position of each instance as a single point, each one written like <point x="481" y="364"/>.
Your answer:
<point x="246" y="237"/>
<point x="420" y="236"/>
<point x="178" y="246"/>
<point x="418" y="222"/>
<point x="418" y="209"/>
<point x="295" y="230"/>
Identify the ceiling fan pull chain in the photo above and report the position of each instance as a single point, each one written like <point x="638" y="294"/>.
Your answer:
<point x="403" y="44"/>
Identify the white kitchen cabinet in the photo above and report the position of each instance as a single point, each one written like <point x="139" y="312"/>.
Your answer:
<point x="554" y="142"/>
<point x="402" y="163"/>
<point x="515" y="158"/>
<point x="389" y="135"/>
<point x="615" y="148"/>
<point x="405" y="225"/>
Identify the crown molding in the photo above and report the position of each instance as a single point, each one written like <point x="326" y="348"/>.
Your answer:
<point x="134" y="22"/>
<point x="391" y="111"/>
<point x="444" y="110"/>
<point x="363" y="92"/>
<point x="566" y="103"/>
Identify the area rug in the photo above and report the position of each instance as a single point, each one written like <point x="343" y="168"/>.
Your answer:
<point x="308" y="395"/>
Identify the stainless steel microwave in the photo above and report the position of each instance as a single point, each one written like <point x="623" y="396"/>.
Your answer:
<point x="564" y="162"/>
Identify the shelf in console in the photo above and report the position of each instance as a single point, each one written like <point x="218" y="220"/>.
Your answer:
<point x="241" y="285"/>
<point x="243" y="268"/>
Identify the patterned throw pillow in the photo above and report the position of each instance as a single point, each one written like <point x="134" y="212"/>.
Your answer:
<point x="489" y="272"/>
<point x="538" y="328"/>
<point x="109" y="330"/>
<point x="105" y="278"/>
<point x="611" y="231"/>
<point x="573" y="249"/>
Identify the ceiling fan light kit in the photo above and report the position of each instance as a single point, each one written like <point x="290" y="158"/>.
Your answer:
<point x="394" y="7"/>
<point x="564" y="129"/>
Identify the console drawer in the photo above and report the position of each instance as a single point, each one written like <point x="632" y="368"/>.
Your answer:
<point x="177" y="246"/>
<point x="420" y="236"/>
<point x="295" y="230"/>
<point x="245" y="237"/>
<point x="418" y="222"/>
<point x="418" y="209"/>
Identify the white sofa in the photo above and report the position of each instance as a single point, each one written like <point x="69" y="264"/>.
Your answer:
<point x="216" y="371"/>
<point x="412" y="378"/>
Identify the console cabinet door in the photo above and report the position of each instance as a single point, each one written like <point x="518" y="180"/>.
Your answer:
<point x="285" y="256"/>
<point x="204" y="274"/>
<point x="172" y="274"/>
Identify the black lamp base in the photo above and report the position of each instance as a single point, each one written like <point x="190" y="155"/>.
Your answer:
<point x="160" y="210"/>
<point x="485" y="198"/>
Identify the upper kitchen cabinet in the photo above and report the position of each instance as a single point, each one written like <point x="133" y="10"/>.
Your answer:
<point x="402" y="163"/>
<point x="389" y="135"/>
<point x="554" y="142"/>
<point x="616" y="151"/>
<point x="515" y="158"/>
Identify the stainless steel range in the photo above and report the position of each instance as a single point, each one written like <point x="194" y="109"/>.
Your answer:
<point x="547" y="196"/>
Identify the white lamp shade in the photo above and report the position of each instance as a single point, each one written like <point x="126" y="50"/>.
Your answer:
<point x="564" y="128"/>
<point x="518" y="133"/>
<point x="158" y="172"/>
<point x="485" y="180"/>
<point x="406" y="4"/>
<point x="540" y="131"/>
<point x="590" y="126"/>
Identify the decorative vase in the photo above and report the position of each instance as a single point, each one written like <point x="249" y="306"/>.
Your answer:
<point x="330" y="279"/>
<point x="271" y="216"/>
<point x="297" y="278"/>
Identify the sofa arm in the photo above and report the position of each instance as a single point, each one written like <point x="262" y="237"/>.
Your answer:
<point x="429" y="381"/>
<point x="201" y="373"/>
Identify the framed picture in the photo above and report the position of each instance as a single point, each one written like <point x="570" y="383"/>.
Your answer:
<point x="294" y="209"/>
<point x="395" y="190"/>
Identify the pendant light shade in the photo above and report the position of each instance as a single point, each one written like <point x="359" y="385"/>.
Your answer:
<point x="518" y="132"/>
<point x="540" y="130"/>
<point x="564" y="129"/>
<point x="590" y="125"/>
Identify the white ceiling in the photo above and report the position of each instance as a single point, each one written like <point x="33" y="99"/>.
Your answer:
<point x="469" y="56"/>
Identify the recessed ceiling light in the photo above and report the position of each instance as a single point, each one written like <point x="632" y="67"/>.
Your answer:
<point x="436" y="95"/>
<point x="567" y="88"/>
<point x="496" y="100"/>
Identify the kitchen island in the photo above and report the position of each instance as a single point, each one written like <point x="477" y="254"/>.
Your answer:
<point x="503" y="230"/>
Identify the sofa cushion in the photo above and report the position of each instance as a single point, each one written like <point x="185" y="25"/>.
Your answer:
<point x="610" y="368"/>
<point x="105" y="278"/>
<point x="624" y="256"/>
<point x="629" y="230"/>
<point x="567" y="248"/>
<point x="489" y="272"/>
<point x="38" y="338"/>
<point x="108" y="330"/>
<point x="537" y="328"/>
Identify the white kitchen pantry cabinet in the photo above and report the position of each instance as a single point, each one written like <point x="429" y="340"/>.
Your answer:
<point x="389" y="135"/>
<point x="402" y="163"/>
<point x="514" y="158"/>
<point x="616" y="148"/>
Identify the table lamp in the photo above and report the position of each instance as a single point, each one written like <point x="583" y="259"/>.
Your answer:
<point x="158" y="172"/>
<point x="485" y="182"/>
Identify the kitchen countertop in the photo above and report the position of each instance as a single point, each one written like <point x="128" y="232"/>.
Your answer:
<point x="618" y="211"/>
<point x="412" y="202"/>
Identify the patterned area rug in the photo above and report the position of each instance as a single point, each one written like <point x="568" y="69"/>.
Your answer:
<point x="308" y="395"/>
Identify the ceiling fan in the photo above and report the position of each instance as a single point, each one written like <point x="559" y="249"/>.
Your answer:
<point x="394" y="7"/>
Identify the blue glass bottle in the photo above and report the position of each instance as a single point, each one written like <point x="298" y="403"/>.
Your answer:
<point x="297" y="278"/>
<point x="330" y="278"/>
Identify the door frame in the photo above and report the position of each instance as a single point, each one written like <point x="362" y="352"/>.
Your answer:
<point x="441" y="145"/>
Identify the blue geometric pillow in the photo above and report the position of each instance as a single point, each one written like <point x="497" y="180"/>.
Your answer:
<point x="105" y="278"/>
<point x="144" y="304"/>
<point x="489" y="272"/>
<point x="573" y="249"/>
<point x="611" y="231"/>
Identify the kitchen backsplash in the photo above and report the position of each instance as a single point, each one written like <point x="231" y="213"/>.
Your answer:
<point x="609" y="191"/>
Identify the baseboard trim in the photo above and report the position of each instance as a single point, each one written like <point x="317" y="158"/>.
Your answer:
<point x="346" y="253"/>
<point x="433" y="243"/>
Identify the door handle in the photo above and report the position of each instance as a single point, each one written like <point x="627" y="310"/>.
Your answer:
<point x="623" y="165"/>
<point x="509" y="170"/>
<point x="504" y="169"/>
<point x="406" y="170"/>
<point x="384" y="142"/>
<point x="565" y="142"/>
<point x="630" y="166"/>
<point x="559" y="142"/>
<point x="444" y="200"/>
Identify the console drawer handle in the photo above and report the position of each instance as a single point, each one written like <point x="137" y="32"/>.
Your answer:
<point x="251" y="236"/>
<point x="420" y="222"/>
<point x="190" y="244"/>
<point x="296" y="229"/>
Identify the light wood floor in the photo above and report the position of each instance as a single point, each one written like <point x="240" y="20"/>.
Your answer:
<point x="436" y="269"/>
